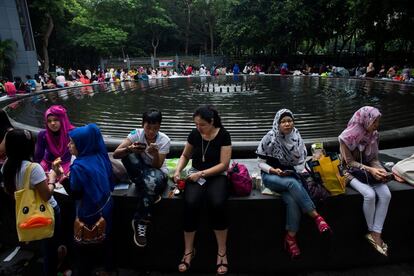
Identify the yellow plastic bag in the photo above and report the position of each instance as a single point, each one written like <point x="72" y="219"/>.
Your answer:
<point x="327" y="170"/>
<point x="35" y="218"/>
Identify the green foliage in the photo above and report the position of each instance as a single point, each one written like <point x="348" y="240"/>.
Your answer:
<point x="8" y="49"/>
<point x="237" y="27"/>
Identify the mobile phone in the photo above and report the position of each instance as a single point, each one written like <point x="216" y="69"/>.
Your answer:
<point x="288" y="171"/>
<point x="140" y="145"/>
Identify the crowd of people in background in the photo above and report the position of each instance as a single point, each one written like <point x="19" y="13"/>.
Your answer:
<point x="61" y="78"/>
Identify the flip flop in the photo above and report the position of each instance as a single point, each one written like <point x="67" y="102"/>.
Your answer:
<point x="380" y="249"/>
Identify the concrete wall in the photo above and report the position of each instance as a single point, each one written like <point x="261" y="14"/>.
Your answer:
<point x="26" y="62"/>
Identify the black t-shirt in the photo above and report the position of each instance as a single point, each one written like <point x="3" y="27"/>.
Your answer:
<point x="211" y="148"/>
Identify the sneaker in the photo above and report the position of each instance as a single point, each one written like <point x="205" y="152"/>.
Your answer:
<point x="140" y="233"/>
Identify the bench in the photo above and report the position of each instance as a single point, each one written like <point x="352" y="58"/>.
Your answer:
<point x="255" y="241"/>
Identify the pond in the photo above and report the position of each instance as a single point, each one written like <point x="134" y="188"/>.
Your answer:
<point x="247" y="104"/>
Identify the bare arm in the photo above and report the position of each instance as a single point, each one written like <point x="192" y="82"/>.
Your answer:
<point x="185" y="156"/>
<point x="125" y="148"/>
<point x="225" y="156"/>
<point x="45" y="190"/>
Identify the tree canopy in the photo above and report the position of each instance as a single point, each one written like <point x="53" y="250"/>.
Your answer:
<point x="115" y="28"/>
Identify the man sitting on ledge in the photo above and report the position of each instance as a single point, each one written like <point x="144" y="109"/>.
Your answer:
<point x="143" y="154"/>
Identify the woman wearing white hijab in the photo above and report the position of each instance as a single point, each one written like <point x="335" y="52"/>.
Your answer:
<point x="280" y="150"/>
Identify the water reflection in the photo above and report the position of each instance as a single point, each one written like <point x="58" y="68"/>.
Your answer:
<point x="246" y="103"/>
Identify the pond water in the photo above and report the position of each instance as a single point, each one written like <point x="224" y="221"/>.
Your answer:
<point x="247" y="105"/>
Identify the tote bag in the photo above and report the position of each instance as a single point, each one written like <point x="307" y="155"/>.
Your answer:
<point x="35" y="218"/>
<point x="405" y="169"/>
<point x="327" y="170"/>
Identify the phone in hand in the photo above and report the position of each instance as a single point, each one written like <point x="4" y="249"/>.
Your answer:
<point x="140" y="145"/>
<point x="154" y="145"/>
<point x="288" y="171"/>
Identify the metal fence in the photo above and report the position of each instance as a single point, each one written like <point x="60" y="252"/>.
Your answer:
<point x="134" y="62"/>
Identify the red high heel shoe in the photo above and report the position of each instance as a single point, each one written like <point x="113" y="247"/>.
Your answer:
<point x="291" y="246"/>
<point x="323" y="227"/>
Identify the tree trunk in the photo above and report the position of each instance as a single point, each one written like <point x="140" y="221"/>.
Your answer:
<point x="311" y="46"/>
<point x="45" y="41"/>
<point x="187" y="29"/>
<point x="155" y="41"/>
<point x="211" y="31"/>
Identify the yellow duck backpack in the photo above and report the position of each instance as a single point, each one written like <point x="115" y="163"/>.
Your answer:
<point x="35" y="218"/>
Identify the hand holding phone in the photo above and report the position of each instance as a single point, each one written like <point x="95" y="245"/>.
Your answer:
<point x="288" y="172"/>
<point x="140" y="145"/>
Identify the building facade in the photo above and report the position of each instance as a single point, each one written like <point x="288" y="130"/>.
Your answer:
<point x="15" y="25"/>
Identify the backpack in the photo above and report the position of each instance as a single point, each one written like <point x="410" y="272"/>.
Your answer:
<point x="35" y="218"/>
<point x="240" y="179"/>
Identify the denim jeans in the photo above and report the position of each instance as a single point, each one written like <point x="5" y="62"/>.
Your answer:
<point x="293" y="194"/>
<point x="150" y="183"/>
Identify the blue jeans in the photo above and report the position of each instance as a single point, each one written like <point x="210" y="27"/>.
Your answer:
<point x="293" y="194"/>
<point x="150" y="183"/>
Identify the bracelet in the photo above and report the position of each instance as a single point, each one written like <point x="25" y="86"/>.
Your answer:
<point x="54" y="185"/>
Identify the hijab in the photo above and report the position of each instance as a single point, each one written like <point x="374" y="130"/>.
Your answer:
<point x="5" y="124"/>
<point x="58" y="142"/>
<point x="92" y="169"/>
<point x="356" y="134"/>
<point x="289" y="149"/>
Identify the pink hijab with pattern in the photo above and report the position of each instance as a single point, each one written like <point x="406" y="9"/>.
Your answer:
<point x="58" y="144"/>
<point x="356" y="134"/>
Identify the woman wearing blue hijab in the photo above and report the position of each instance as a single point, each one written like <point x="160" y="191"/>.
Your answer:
<point x="91" y="186"/>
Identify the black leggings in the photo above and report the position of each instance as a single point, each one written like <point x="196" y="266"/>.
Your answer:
<point x="215" y="191"/>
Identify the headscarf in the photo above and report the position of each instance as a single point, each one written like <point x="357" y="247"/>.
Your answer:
<point x="92" y="169"/>
<point x="289" y="149"/>
<point x="356" y="134"/>
<point x="58" y="143"/>
<point x="5" y="124"/>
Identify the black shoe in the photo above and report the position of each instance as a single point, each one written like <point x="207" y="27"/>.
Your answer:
<point x="140" y="232"/>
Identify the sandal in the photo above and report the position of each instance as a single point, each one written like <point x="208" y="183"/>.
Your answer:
<point x="323" y="227"/>
<point x="183" y="265"/>
<point x="292" y="246"/>
<point x="380" y="249"/>
<point x="221" y="264"/>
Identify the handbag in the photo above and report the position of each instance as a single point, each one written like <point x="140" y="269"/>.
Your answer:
<point x="90" y="234"/>
<point x="240" y="179"/>
<point x="363" y="176"/>
<point x="315" y="189"/>
<point x="328" y="170"/>
<point x="35" y="218"/>
<point x="84" y="234"/>
<point x="405" y="169"/>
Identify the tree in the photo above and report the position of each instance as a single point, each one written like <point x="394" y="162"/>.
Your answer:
<point x="158" y="22"/>
<point x="47" y="10"/>
<point x="8" y="49"/>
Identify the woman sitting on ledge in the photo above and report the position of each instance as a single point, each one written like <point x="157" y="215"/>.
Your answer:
<point x="280" y="150"/>
<point x="359" y="149"/>
<point x="52" y="143"/>
<point x="209" y="146"/>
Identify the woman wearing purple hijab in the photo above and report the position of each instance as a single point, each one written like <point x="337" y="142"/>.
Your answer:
<point x="52" y="143"/>
<point x="359" y="150"/>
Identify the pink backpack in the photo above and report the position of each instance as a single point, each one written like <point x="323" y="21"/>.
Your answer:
<point x="240" y="179"/>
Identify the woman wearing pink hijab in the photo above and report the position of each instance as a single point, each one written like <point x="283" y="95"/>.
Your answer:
<point x="364" y="173"/>
<point x="52" y="143"/>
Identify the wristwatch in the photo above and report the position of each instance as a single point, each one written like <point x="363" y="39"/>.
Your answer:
<point x="203" y="174"/>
